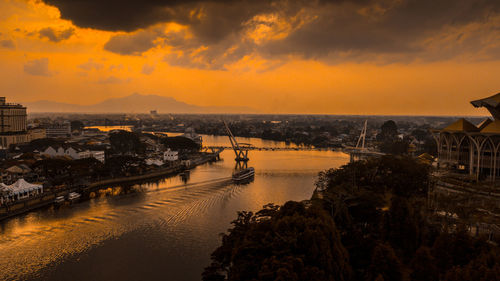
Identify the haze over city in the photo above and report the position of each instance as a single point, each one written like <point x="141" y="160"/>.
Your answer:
<point x="331" y="57"/>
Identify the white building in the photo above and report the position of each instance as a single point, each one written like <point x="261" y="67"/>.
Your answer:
<point x="74" y="153"/>
<point x="156" y="162"/>
<point x="58" y="130"/>
<point x="98" y="154"/>
<point x="170" y="155"/>
<point x="21" y="189"/>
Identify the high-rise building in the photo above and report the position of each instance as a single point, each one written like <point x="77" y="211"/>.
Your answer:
<point x="13" y="123"/>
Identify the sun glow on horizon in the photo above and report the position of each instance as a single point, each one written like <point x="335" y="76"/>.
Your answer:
<point x="45" y="57"/>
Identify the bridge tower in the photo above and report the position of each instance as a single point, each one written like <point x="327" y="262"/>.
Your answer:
<point x="362" y="138"/>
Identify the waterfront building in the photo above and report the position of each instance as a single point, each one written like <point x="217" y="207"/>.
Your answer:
<point x="13" y="123"/>
<point x="472" y="149"/>
<point x="170" y="155"/>
<point x="156" y="162"/>
<point x="21" y="189"/>
<point x="192" y="135"/>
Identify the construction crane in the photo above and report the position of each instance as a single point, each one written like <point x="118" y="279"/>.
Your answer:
<point x="240" y="149"/>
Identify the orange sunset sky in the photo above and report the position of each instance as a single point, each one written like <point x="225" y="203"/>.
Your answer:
<point x="335" y="57"/>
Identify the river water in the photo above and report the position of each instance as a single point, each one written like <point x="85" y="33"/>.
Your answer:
<point x="165" y="230"/>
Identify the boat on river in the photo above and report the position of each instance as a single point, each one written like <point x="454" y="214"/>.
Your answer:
<point x="59" y="200"/>
<point x="244" y="174"/>
<point x="73" y="196"/>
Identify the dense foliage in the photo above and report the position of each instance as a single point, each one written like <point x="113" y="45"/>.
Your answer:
<point x="124" y="142"/>
<point x="180" y="143"/>
<point x="368" y="221"/>
<point x="77" y="125"/>
<point x="289" y="243"/>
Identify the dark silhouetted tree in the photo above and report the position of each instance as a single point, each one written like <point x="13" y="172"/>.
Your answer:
<point x="180" y="143"/>
<point x="124" y="142"/>
<point x="384" y="263"/>
<point x="423" y="266"/>
<point x="292" y="243"/>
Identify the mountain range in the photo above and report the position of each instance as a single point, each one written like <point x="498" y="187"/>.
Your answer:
<point x="135" y="103"/>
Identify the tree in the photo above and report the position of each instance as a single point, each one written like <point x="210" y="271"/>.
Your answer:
<point x="385" y="263"/>
<point x="484" y="268"/>
<point x="389" y="130"/>
<point x="289" y="243"/>
<point x="389" y="141"/>
<point x="77" y="125"/>
<point x="423" y="266"/>
<point x="420" y="134"/>
<point x="40" y="144"/>
<point x="124" y="142"/>
<point x="367" y="221"/>
<point x="180" y="143"/>
<point x="401" y="226"/>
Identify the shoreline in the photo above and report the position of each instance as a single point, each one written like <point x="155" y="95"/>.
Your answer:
<point x="47" y="198"/>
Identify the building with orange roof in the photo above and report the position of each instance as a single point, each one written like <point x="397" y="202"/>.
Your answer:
<point x="467" y="148"/>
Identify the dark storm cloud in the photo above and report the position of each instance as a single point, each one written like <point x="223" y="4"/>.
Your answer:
<point x="123" y="15"/>
<point x="335" y="30"/>
<point x="56" y="35"/>
<point x="134" y="43"/>
<point x="383" y="27"/>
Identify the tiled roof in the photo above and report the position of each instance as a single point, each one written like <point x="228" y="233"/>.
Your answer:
<point x="492" y="128"/>
<point x="461" y="125"/>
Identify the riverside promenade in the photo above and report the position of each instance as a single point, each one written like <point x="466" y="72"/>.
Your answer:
<point x="47" y="198"/>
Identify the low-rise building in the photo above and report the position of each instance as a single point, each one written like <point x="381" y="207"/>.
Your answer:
<point x="58" y="130"/>
<point x="21" y="189"/>
<point x="36" y="133"/>
<point x="156" y="162"/>
<point x="170" y="155"/>
<point x="74" y="153"/>
<point x="192" y="135"/>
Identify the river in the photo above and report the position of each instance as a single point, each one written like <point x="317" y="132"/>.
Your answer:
<point x="165" y="230"/>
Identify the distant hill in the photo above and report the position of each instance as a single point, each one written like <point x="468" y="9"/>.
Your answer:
<point x="135" y="103"/>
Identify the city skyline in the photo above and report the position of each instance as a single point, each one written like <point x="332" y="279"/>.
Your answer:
<point x="339" y="57"/>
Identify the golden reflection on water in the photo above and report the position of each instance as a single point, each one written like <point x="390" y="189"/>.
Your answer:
<point x="191" y="214"/>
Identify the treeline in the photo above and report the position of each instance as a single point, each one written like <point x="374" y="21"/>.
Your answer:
<point x="368" y="221"/>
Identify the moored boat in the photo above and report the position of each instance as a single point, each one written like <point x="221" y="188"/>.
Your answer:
<point x="59" y="200"/>
<point x="73" y="196"/>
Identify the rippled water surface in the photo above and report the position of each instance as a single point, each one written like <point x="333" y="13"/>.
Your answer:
<point x="164" y="231"/>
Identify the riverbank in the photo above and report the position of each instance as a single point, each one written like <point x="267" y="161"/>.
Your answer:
<point x="47" y="198"/>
